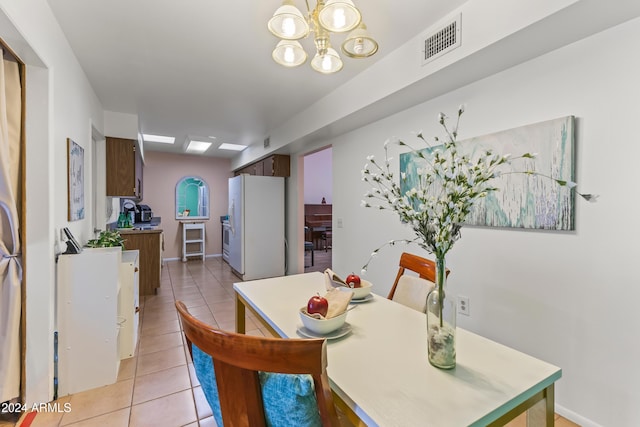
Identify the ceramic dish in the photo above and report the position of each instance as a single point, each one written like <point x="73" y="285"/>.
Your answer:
<point x="361" y="292"/>
<point x="322" y="326"/>
<point x="338" y="333"/>
<point x="361" y="300"/>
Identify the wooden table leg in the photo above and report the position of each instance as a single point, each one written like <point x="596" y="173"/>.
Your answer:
<point x="539" y="408"/>
<point x="240" y="315"/>
<point x="549" y="396"/>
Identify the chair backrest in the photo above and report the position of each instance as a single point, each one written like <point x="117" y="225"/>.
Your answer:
<point x="237" y="359"/>
<point x="410" y="290"/>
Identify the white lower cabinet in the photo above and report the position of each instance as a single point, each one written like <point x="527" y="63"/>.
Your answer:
<point x="90" y="288"/>
<point x="129" y="303"/>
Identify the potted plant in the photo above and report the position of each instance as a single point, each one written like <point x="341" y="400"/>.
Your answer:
<point x="107" y="239"/>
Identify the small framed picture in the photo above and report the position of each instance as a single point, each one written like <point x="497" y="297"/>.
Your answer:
<point x="75" y="181"/>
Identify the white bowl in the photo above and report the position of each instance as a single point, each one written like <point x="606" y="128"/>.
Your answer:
<point x="362" y="291"/>
<point x="322" y="326"/>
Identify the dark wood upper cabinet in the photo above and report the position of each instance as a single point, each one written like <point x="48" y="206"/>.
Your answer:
<point x="275" y="165"/>
<point x="124" y="168"/>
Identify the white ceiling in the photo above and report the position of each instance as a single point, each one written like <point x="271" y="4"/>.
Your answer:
<point x="203" y="67"/>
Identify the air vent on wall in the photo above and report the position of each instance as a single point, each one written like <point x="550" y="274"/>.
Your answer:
<point x="441" y="41"/>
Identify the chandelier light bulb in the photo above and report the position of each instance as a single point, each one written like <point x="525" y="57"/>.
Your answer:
<point x="339" y="18"/>
<point x="288" y="26"/>
<point x="326" y="63"/>
<point x="289" y="55"/>
<point x="358" y="46"/>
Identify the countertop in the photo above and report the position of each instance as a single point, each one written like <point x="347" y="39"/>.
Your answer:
<point x="134" y="230"/>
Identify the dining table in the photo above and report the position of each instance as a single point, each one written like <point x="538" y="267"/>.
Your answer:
<point x="378" y="366"/>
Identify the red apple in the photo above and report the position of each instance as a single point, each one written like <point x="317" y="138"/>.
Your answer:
<point x="353" y="280"/>
<point x="318" y="304"/>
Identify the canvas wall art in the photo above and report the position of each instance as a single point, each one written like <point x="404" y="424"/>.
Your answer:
<point x="75" y="181"/>
<point x="523" y="201"/>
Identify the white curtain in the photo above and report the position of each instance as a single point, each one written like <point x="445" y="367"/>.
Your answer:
<point x="10" y="261"/>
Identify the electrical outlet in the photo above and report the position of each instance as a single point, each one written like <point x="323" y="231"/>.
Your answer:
<point x="463" y="305"/>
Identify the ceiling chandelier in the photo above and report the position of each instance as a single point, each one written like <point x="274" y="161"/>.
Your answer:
<point x="330" y="16"/>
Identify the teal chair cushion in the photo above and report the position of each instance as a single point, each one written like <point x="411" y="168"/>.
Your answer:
<point x="289" y="400"/>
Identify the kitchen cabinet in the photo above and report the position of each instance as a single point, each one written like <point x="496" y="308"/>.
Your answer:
<point x="149" y="243"/>
<point x="252" y="169"/>
<point x="87" y="297"/>
<point x="129" y="303"/>
<point x="124" y="168"/>
<point x="275" y="165"/>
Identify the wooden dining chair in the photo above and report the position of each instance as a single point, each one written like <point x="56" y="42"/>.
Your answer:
<point x="412" y="290"/>
<point x="249" y="379"/>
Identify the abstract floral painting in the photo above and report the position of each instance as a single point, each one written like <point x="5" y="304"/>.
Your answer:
<point x="523" y="201"/>
<point x="75" y="189"/>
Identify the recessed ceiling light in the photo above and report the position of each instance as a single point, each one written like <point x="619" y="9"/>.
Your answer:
<point x="158" y="138"/>
<point x="198" y="146"/>
<point x="233" y="147"/>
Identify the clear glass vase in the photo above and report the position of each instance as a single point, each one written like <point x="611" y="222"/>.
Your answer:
<point x="441" y="322"/>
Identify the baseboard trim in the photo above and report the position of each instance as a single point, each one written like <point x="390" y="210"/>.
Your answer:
<point x="576" y="418"/>
<point x="178" y="259"/>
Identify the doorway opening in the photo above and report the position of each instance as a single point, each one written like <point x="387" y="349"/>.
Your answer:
<point x="318" y="209"/>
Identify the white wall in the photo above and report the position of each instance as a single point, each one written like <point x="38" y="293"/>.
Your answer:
<point x="121" y="125"/>
<point x="566" y="297"/>
<point x="318" y="177"/>
<point x="60" y="105"/>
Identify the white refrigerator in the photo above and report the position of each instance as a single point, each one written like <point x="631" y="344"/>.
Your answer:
<point x="256" y="221"/>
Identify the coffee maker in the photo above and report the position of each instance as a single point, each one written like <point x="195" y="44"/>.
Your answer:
<point x="143" y="213"/>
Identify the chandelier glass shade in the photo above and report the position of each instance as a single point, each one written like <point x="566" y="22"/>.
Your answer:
<point x="328" y="16"/>
<point x="339" y="16"/>
<point x="288" y="23"/>
<point x="289" y="53"/>
<point x="359" y="44"/>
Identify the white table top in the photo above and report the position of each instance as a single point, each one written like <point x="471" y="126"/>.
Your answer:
<point x="381" y="370"/>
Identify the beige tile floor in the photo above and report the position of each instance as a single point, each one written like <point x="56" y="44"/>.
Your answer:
<point x="157" y="387"/>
